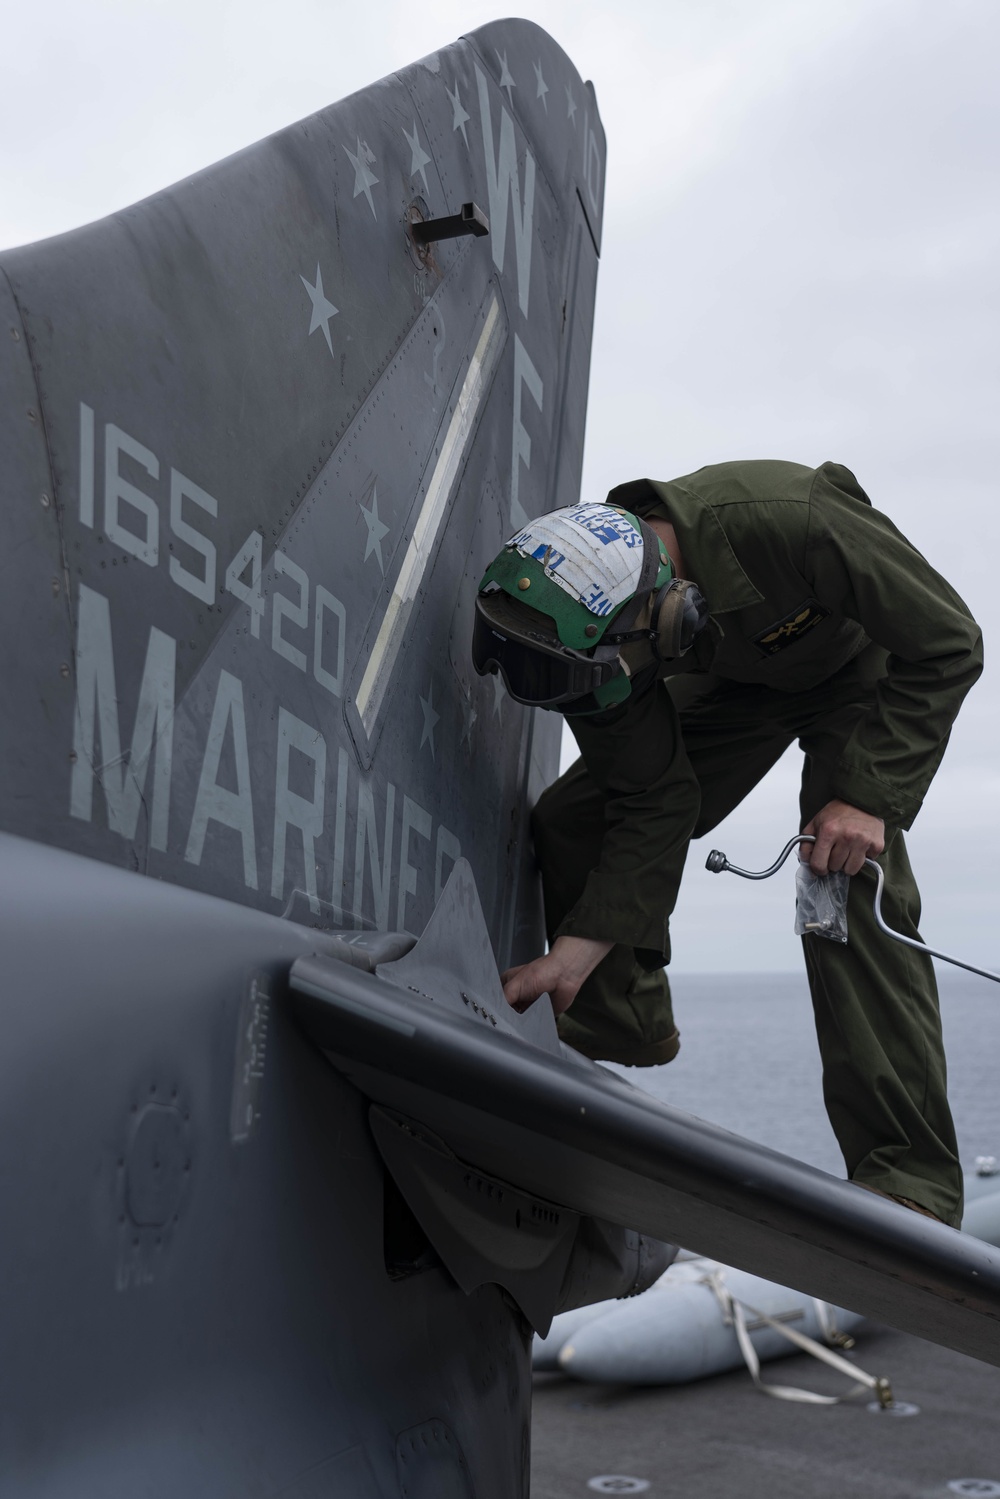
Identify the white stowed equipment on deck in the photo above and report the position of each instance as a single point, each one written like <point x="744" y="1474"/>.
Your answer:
<point x="702" y="1318"/>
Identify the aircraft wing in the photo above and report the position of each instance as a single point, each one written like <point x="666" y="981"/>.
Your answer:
<point x="445" y="1050"/>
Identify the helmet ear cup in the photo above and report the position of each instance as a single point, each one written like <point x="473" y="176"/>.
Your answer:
<point x="680" y="612"/>
<point x="667" y="622"/>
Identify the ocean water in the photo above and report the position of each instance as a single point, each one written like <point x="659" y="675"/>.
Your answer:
<point x="749" y="1061"/>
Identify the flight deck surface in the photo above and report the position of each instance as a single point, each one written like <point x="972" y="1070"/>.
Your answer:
<point x="721" y="1439"/>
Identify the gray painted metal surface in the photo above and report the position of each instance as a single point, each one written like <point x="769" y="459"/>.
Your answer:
<point x="193" y="1285"/>
<point x="258" y="444"/>
<point x="258" y="448"/>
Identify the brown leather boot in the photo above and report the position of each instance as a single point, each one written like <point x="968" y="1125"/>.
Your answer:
<point x="906" y="1202"/>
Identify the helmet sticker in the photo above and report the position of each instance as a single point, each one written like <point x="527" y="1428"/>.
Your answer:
<point x="606" y="524"/>
<point x="594" y="553"/>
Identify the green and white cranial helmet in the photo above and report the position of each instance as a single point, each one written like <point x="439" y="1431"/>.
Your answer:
<point x="566" y="594"/>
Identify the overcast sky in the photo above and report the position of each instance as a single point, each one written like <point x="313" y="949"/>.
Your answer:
<point x="799" y="262"/>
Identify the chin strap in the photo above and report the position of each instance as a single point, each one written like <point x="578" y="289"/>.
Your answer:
<point x="678" y="612"/>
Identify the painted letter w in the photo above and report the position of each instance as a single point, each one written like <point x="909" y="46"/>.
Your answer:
<point x="502" y="182"/>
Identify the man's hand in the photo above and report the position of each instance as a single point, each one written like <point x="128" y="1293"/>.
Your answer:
<point x="559" y="974"/>
<point x="845" y="838"/>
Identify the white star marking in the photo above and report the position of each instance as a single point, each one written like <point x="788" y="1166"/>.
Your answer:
<point x="543" y="87"/>
<point x="364" y="177"/>
<point x="570" y="106"/>
<point x="506" y="81"/>
<point x="376" y="530"/>
<point x="498" y="694"/>
<point x="431" y="718"/>
<point x="322" y="308"/>
<point x="459" y="115"/>
<point x="418" y="156"/>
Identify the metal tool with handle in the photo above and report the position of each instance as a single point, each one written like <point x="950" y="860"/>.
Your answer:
<point x="717" y="863"/>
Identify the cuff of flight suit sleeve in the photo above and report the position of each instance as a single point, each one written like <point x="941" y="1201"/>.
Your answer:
<point x="862" y="789"/>
<point x="650" y="941"/>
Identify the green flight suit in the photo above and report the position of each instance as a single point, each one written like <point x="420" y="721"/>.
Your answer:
<point x="828" y="627"/>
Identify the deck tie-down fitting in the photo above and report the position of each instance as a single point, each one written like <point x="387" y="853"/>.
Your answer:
<point x="717" y="863"/>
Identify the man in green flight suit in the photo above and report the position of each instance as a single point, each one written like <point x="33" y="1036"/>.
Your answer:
<point x="690" y="631"/>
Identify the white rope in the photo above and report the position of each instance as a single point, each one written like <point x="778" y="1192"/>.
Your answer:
<point x="735" y="1312"/>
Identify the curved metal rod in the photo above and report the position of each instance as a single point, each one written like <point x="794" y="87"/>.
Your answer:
<point x="717" y="863"/>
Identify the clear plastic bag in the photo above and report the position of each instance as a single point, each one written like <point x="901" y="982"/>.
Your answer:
<point x="821" y="904"/>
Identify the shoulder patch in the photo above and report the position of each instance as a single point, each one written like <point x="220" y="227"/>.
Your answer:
<point x="796" y="623"/>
